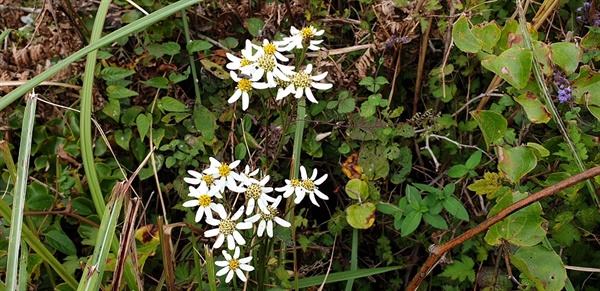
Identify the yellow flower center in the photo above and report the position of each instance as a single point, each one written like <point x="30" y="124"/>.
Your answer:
<point x="227" y="226"/>
<point x="267" y="62"/>
<point x="204" y="200"/>
<point x="224" y="170"/>
<point x="281" y="83"/>
<point x="244" y="62"/>
<point x="234" y="264"/>
<point x="209" y="179"/>
<point x="270" y="216"/>
<point x="295" y="183"/>
<point x="301" y="80"/>
<point x="307" y="33"/>
<point x="308" y="185"/>
<point x="269" y="49"/>
<point x="254" y="191"/>
<point x="244" y="85"/>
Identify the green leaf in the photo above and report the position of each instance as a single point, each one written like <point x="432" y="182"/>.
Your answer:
<point x="129" y="116"/>
<point x="492" y="125"/>
<point x="205" y="121"/>
<point x="473" y="160"/>
<point x="464" y="39"/>
<point x="413" y="195"/>
<point x="229" y="42"/>
<point x="122" y="138"/>
<point x="198" y="45"/>
<point x="542" y="266"/>
<point x="454" y="207"/>
<point x="343" y="276"/>
<point x="513" y="65"/>
<point x="488" y="185"/>
<point x="115" y="73"/>
<point x="522" y="228"/>
<point x="61" y="242"/>
<point x="112" y="109"/>
<point x="240" y="151"/>
<point x="171" y="104"/>
<point x="536" y="111"/>
<point x="40" y="202"/>
<point x="540" y="150"/>
<point x="346" y="106"/>
<point x="143" y="122"/>
<point x="487" y="35"/>
<point x="435" y="220"/>
<point x="171" y="48"/>
<point x="84" y="206"/>
<point x="460" y="270"/>
<point x="457" y="171"/>
<point x="355" y="187"/>
<point x="410" y="223"/>
<point x="373" y="161"/>
<point x="566" y="55"/>
<point x="361" y="216"/>
<point x="387" y="208"/>
<point x="119" y="92"/>
<point x="158" y="82"/>
<point x="516" y="162"/>
<point x="255" y="25"/>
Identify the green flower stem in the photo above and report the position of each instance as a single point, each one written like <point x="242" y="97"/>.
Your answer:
<point x="16" y="226"/>
<point x="353" y="258"/>
<point x="210" y="268"/>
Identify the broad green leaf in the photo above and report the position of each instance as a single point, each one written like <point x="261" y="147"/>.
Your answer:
<point x="115" y="73"/>
<point x="487" y="35"/>
<point x="143" y="123"/>
<point x="61" y="242"/>
<point x="373" y="161"/>
<point x="387" y="208"/>
<point x="112" y="109"/>
<point x="215" y="69"/>
<point x="229" y="42"/>
<point x="540" y="150"/>
<point x="457" y="171"/>
<point x="198" y="45"/>
<point x="513" y="65"/>
<point x="454" y="207"/>
<point x="240" y="151"/>
<point x="464" y="39"/>
<point x="473" y="160"/>
<point x="516" y="162"/>
<point x="40" y="202"/>
<point x="346" y="106"/>
<point x="83" y="206"/>
<point x="586" y="89"/>
<point x="435" y="220"/>
<point x="522" y="228"/>
<point x="255" y="25"/>
<point x="413" y="195"/>
<point x="171" y="104"/>
<point x="536" y="111"/>
<point x="129" y="116"/>
<point x="361" y="216"/>
<point x="205" y="122"/>
<point x="158" y="82"/>
<point x="171" y="48"/>
<point x="355" y="187"/>
<point x="492" y="125"/>
<point x="542" y="266"/>
<point x="460" y="270"/>
<point x="410" y="223"/>
<point x="566" y="55"/>
<point x="119" y="92"/>
<point x="122" y="138"/>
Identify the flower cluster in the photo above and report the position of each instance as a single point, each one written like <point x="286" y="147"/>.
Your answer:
<point x="563" y="85"/>
<point x="210" y="191"/>
<point x="263" y="66"/>
<point x="586" y="12"/>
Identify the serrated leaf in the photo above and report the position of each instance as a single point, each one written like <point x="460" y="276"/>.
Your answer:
<point x="522" y="228"/>
<point x="198" y="45"/>
<point x="119" y="92"/>
<point x="464" y="39"/>
<point x="361" y="216"/>
<point x="492" y="125"/>
<point x="516" y="162"/>
<point x="542" y="266"/>
<point x="346" y="106"/>
<point x="488" y="185"/>
<point x="460" y="270"/>
<point x="535" y="110"/>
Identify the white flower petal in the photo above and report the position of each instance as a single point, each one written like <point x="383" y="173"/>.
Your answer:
<point x="270" y="228"/>
<point x="310" y="96"/>
<point x="212" y="232"/>
<point x="191" y="203"/>
<point x="229" y="277"/>
<point x="238" y="238"/>
<point x="224" y="270"/>
<point x="240" y="274"/>
<point x="282" y="222"/>
<point x="219" y="241"/>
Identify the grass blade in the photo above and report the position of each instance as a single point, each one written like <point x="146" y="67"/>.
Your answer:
<point x="16" y="225"/>
<point x="353" y="258"/>
<point x="343" y="276"/>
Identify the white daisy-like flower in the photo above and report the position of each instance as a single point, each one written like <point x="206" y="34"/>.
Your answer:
<point x="256" y="194"/>
<point x="246" y="60"/>
<point x="228" y="228"/>
<point x="201" y="179"/>
<point x="301" y="84"/>
<point x="248" y="174"/>
<point x="203" y="199"/>
<point x="266" y="219"/>
<point x="225" y="174"/>
<point x="266" y="66"/>
<point x="234" y="265"/>
<point x="291" y="186"/>
<point x="301" y="37"/>
<point x="309" y="186"/>
<point x="244" y="86"/>
<point x="272" y="49"/>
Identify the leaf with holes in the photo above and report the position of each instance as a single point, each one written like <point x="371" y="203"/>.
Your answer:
<point x="513" y="65"/>
<point x="542" y="266"/>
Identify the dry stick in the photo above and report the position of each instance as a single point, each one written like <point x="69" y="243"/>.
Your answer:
<point x="420" y="70"/>
<point x="438" y="251"/>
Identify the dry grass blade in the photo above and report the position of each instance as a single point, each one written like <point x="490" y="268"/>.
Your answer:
<point x="127" y="245"/>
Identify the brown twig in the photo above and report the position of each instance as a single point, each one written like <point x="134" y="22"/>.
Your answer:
<point x="438" y="251"/>
<point x="65" y="212"/>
